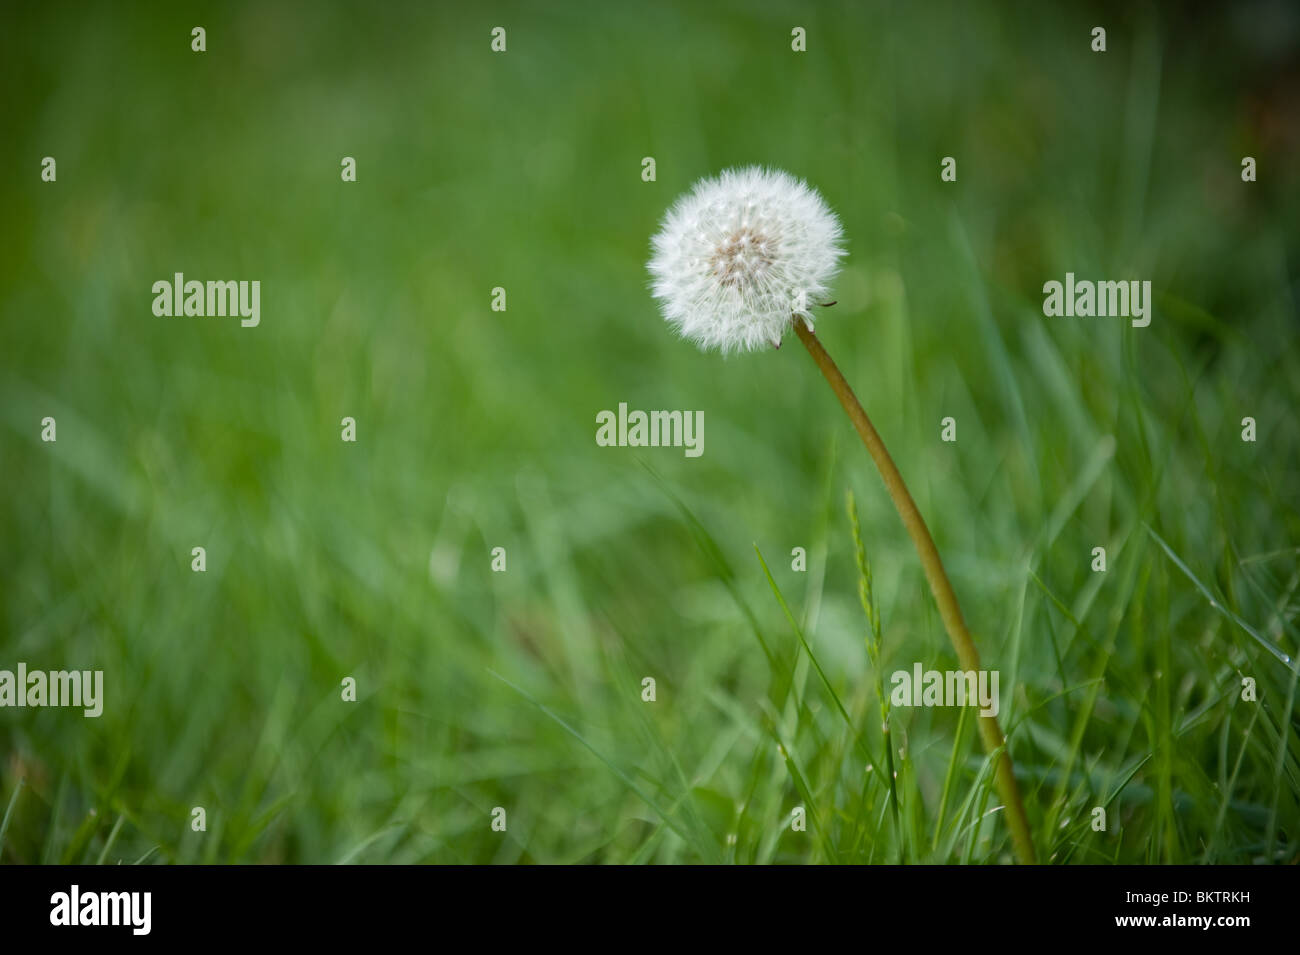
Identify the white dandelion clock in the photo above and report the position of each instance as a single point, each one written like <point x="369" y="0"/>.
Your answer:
<point x="741" y="254"/>
<point x="738" y="262"/>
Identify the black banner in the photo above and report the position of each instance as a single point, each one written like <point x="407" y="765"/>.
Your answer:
<point x="334" y="904"/>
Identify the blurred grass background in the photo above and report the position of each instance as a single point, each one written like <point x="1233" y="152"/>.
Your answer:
<point x="476" y="430"/>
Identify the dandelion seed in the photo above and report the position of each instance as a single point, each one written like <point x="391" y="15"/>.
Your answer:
<point x="741" y="255"/>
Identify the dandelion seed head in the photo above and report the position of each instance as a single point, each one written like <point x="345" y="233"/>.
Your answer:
<point x="740" y="255"/>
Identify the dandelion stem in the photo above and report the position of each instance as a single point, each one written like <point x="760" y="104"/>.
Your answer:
<point x="949" y="609"/>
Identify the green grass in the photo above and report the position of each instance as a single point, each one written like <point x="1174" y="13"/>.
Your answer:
<point x="476" y="429"/>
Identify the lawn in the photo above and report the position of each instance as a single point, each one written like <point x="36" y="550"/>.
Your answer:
<point x="1160" y="690"/>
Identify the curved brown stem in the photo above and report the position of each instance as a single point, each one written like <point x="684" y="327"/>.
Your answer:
<point x="949" y="610"/>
